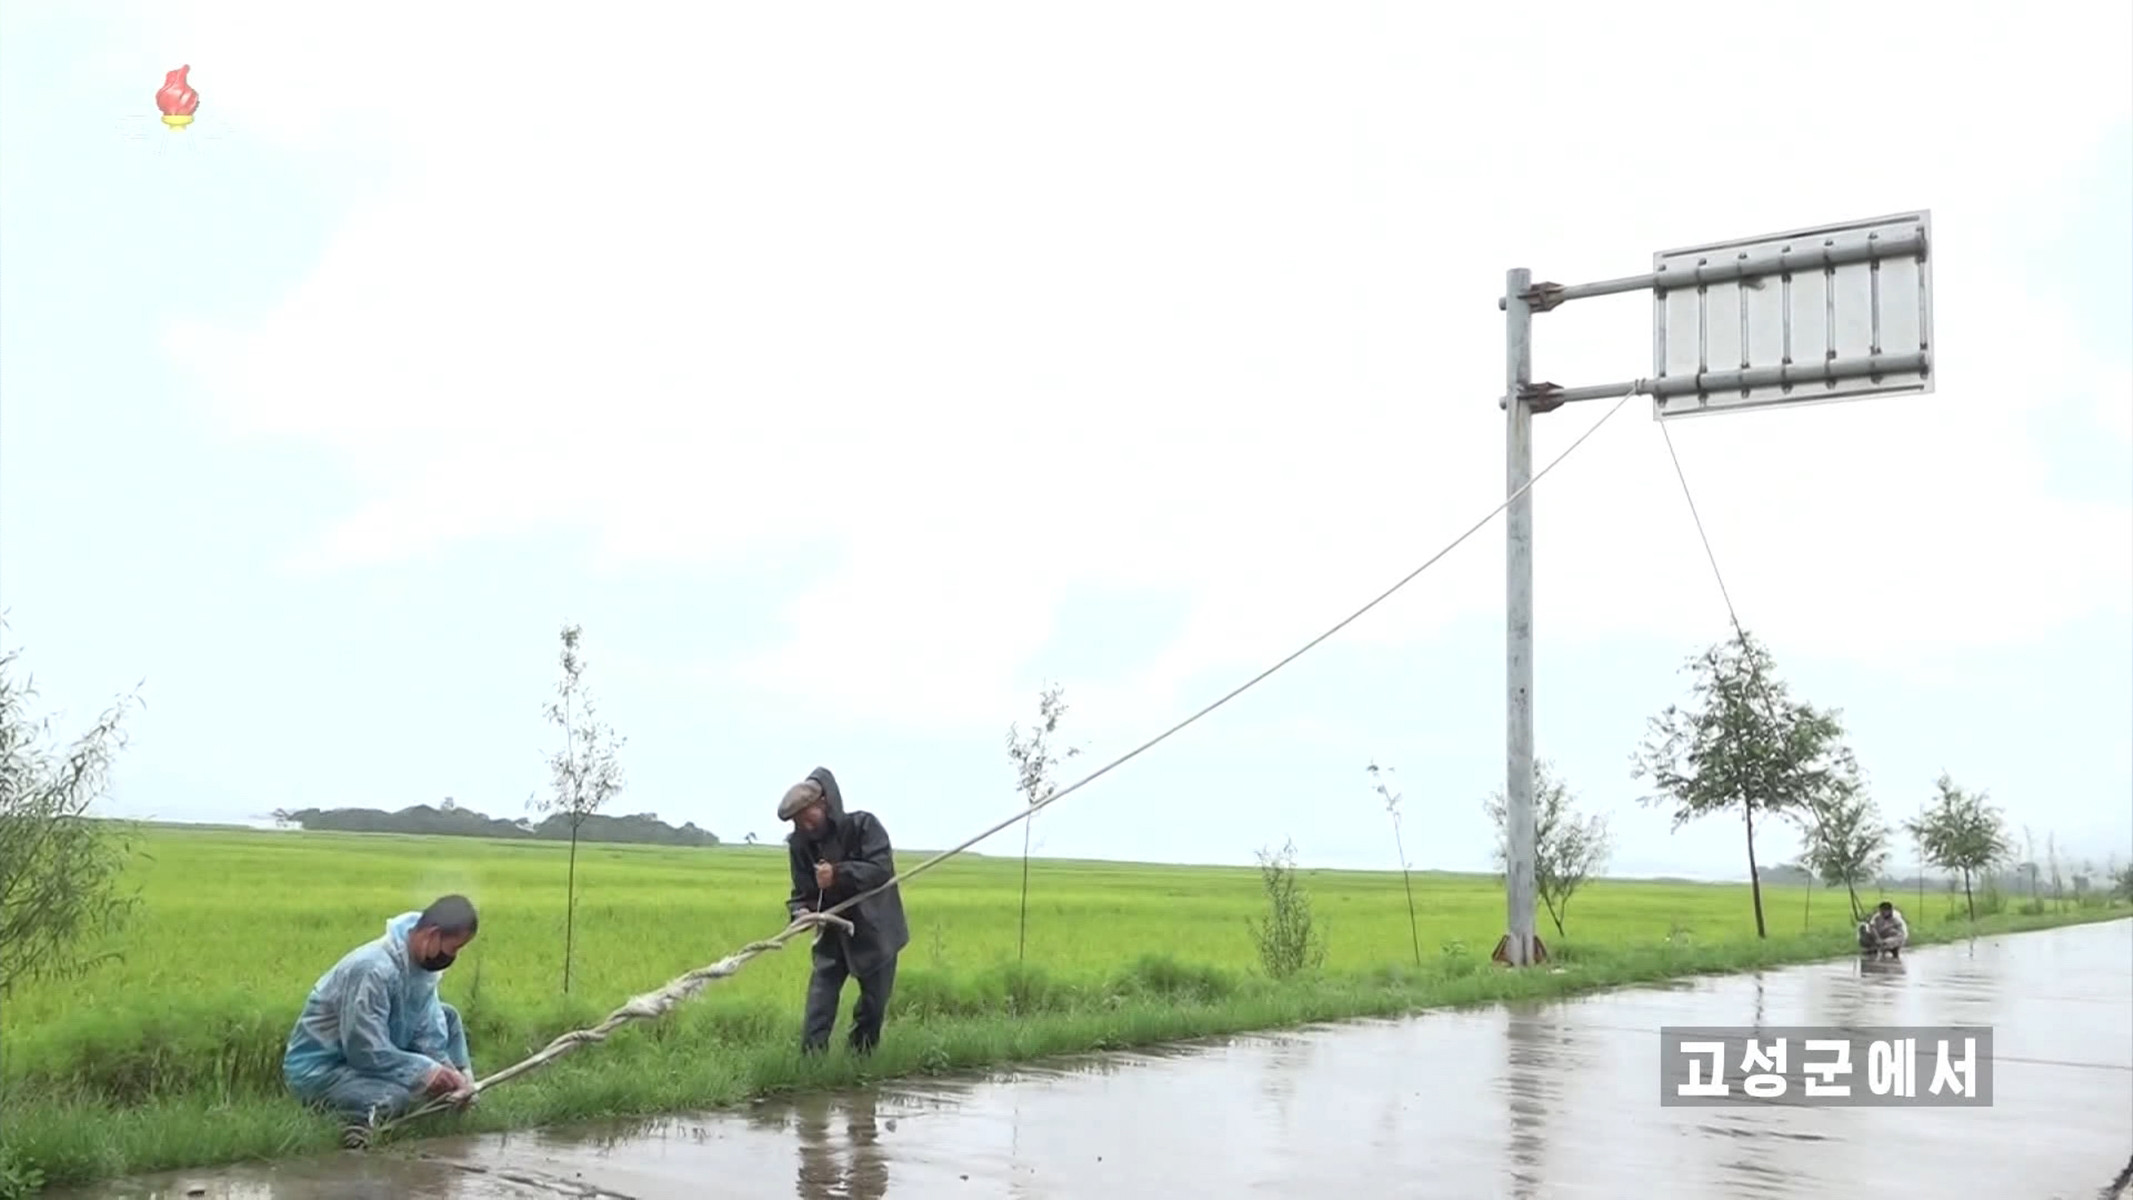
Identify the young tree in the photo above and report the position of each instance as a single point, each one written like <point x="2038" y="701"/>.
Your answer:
<point x="1804" y="863"/>
<point x="2051" y="859"/>
<point x="585" y="773"/>
<point x="1568" y="849"/>
<point x="1392" y="806"/>
<point x="1032" y="756"/>
<point x="59" y="867"/>
<point x="1918" y="846"/>
<point x="1741" y="745"/>
<point x="2029" y="870"/>
<point x="1846" y="843"/>
<point x="1963" y="834"/>
<point x="1289" y="939"/>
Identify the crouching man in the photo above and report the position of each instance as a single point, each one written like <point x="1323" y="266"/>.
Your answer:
<point x="835" y="856"/>
<point x="373" y="1038"/>
<point x="1884" y="932"/>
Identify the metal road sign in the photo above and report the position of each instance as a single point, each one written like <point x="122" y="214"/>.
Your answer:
<point x="1838" y="312"/>
<point x="1809" y="316"/>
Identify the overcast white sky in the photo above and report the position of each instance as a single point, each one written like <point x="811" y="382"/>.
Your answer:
<point x="850" y="371"/>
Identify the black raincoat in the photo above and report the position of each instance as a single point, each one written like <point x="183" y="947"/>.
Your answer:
<point x="857" y="843"/>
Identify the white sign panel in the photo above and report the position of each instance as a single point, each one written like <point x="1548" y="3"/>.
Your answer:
<point x="1835" y="313"/>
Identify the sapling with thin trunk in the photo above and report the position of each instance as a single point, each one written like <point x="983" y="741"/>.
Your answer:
<point x="2051" y="858"/>
<point x="1568" y="848"/>
<point x="1963" y="834"/>
<point x="1845" y="842"/>
<point x="585" y="773"/>
<point x="1032" y="756"/>
<point x="2029" y="868"/>
<point x="1392" y="806"/>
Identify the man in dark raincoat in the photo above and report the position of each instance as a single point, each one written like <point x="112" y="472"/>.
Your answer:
<point x="835" y="856"/>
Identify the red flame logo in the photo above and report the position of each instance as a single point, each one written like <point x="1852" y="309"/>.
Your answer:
<point x="177" y="98"/>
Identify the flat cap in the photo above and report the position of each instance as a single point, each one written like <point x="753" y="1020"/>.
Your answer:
<point x="797" y="797"/>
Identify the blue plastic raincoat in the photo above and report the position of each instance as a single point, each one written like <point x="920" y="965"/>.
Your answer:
<point x="372" y="1024"/>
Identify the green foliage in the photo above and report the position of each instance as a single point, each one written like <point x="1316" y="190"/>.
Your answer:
<point x="1846" y="844"/>
<point x="1991" y="902"/>
<point x="1961" y="832"/>
<point x="59" y="866"/>
<point x="1741" y="745"/>
<point x="19" y="1177"/>
<point x="178" y="1062"/>
<point x="1289" y="939"/>
<point x="1568" y="848"/>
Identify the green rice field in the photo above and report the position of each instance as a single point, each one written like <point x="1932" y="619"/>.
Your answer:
<point x="170" y="1056"/>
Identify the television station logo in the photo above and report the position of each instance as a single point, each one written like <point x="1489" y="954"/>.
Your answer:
<point x="173" y="129"/>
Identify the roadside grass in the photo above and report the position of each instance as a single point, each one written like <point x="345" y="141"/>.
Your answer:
<point x="170" y="1056"/>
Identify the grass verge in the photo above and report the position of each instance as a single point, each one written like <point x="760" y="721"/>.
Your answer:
<point x="69" y="1128"/>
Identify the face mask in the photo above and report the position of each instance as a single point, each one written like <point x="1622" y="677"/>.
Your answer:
<point x="437" y="961"/>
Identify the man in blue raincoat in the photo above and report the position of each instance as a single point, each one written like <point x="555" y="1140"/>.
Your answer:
<point x="373" y="1037"/>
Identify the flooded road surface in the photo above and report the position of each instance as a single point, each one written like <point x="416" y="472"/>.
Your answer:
<point x="1541" y="1100"/>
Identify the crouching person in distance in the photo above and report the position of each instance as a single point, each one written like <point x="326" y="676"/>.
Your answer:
<point x="373" y="1037"/>
<point x="835" y="856"/>
<point x="1884" y="932"/>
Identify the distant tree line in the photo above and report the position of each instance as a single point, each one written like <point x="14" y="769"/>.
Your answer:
<point x="450" y="820"/>
<point x="2082" y="878"/>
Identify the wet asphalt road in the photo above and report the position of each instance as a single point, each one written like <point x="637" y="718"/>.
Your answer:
<point x="1541" y="1100"/>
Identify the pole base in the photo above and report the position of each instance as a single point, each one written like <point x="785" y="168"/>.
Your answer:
<point x="1502" y="953"/>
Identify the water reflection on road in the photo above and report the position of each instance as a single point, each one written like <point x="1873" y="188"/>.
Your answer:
<point x="1533" y="1100"/>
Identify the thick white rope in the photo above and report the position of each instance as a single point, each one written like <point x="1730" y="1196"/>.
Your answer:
<point x="648" y="1007"/>
<point x="653" y="1005"/>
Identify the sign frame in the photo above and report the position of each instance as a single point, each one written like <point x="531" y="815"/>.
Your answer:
<point x="1825" y="314"/>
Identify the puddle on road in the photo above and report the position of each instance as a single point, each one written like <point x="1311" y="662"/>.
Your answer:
<point x="1537" y="1100"/>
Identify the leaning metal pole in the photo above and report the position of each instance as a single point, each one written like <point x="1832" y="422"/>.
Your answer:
<point x="1518" y="603"/>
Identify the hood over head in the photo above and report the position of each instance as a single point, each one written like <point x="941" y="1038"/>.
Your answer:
<point x="832" y="797"/>
<point x="396" y="931"/>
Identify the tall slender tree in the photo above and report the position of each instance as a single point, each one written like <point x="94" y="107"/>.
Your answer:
<point x="1392" y="807"/>
<point x="585" y="772"/>
<point x="1034" y="760"/>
